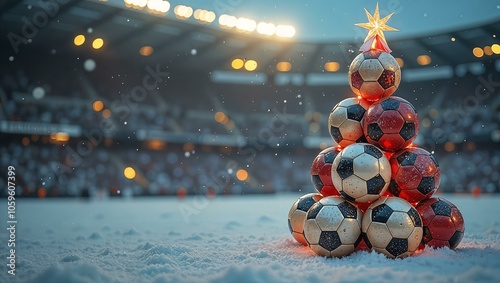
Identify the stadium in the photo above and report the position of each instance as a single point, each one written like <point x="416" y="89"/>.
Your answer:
<point x="143" y="134"/>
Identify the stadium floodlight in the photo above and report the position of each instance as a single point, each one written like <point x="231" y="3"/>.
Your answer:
<point x="204" y="16"/>
<point x="285" y="31"/>
<point x="183" y="12"/>
<point x="266" y="28"/>
<point x="227" y="21"/>
<point x="245" y="25"/>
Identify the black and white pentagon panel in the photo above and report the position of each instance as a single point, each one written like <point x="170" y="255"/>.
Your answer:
<point x="333" y="227"/>
<point x="361" y="172"/>
<point x="297" y="215"/>
<point x="392" y="226"/>
<point x="344" y="122"/>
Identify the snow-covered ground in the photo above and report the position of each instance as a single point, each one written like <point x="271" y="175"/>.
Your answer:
<point x="225" y="239"/>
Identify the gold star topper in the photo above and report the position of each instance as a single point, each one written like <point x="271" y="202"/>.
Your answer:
<point x="376" y="25"/>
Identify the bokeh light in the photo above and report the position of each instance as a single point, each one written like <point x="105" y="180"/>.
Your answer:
<point x="495" y="48"/>
<point x="106" y="113"/>
<point x="97" y="105"/>
<point x="89" y="65"/>
<point x="38" y="92"/>
<point x="332" y="66"/>
<point x="478" y="52"/>
<point x="79" y="40"/>
<point x="237" y="64"/>
<point x="146" y="50"/>
<point x="242" y="174"/>
<point x="129" y="173"/>
<point x="41" y="193"/>
<point x="424" y="60"/>
<point x="220" y="117"/>
<point x="487" y="50"/>
<point x="401" y="62"/>
<point x="250" y="65"/>
<point x="97" y="43"/>
<point x="449" y="146"/>
<point x="284" y="66"/>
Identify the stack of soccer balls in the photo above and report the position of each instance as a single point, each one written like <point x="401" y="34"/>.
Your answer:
<point x="374" y="187"/>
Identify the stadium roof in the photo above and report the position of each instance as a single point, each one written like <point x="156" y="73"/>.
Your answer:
<point x="190" y="45"/>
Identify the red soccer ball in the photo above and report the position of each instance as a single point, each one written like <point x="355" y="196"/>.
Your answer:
<point x="415" y="174"/>
<point x="443" y="223"/>
<point x="391" y="124"/>
<point x="321" y="171"/>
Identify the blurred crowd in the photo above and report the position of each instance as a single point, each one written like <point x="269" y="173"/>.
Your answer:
<point x="61" y="170"/>
<point x="274" y="160"/>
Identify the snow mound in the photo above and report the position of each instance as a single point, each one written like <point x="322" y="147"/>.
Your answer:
<point x="81" y="273"/>
<point x="244" y="245"/>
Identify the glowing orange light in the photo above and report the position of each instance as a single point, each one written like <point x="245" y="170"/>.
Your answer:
<point x="487" y="50"/>
<point x="284" y="66"/>
<point x="424" y="60"/>
<point x="42" y="193"/>
<point x="146" y="50"/>
<point x="478" y="52"/>
<point x="332" y="66"/>
<point x="60" y="137"/>
<point x="449" y="146"/>
<point x="97" y="105"/>
<point x="220" y="117"/>
<point x="156" y="144"/>
<point x="106" y="113"/>
<point x="181" y="192"/>
<point x="242" y="174"/>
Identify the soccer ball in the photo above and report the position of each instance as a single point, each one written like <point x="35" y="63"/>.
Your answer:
<point x="443" y="223"/>
<point x="391" y="124"/>
<point x="392" y="226"/>
<point x="321" y="171"/>
<point x="297" y="215"/>
<point x="374" y="75"/>
<point x="344" y="122"/>
<point x="361" y="172"/>
<point x="333" y="227"/>
<point x="415" y="174"/>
